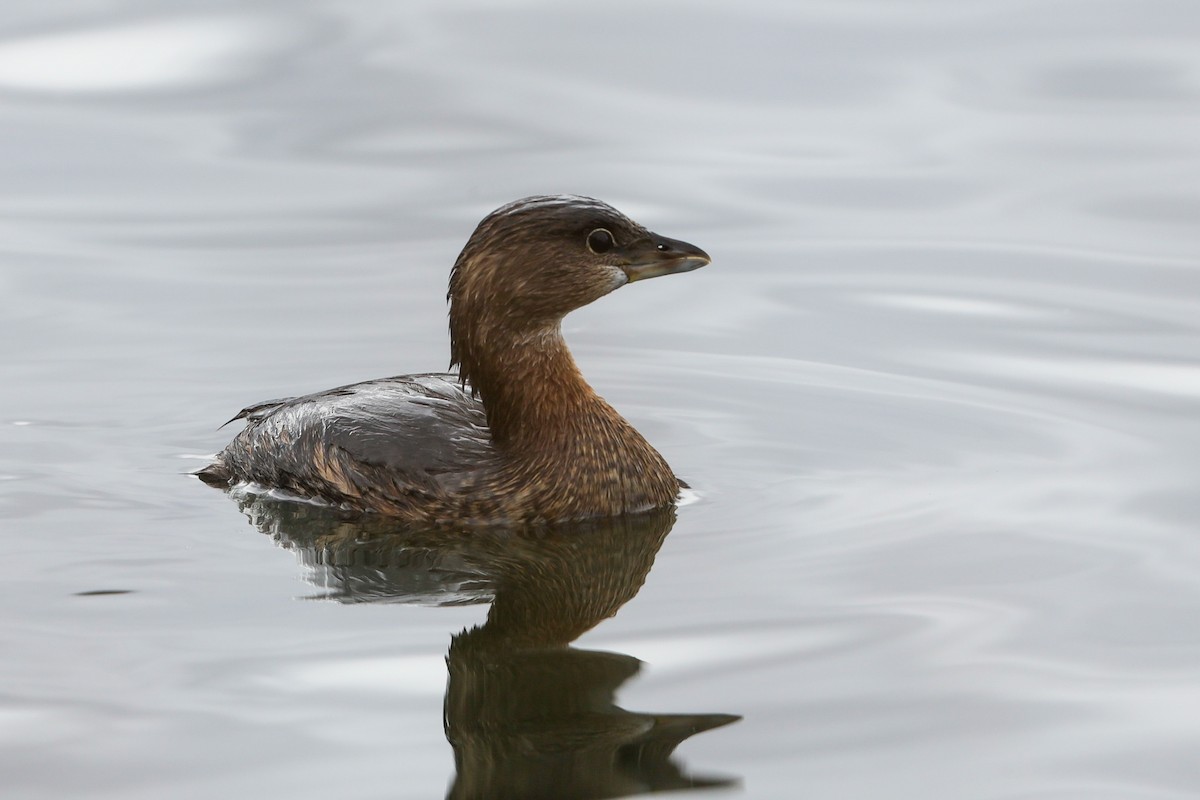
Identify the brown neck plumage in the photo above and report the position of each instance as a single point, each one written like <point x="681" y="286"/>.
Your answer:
<point x="564" y="452"/>
<point x="535" y="396"/>
<point x="567" y="453"/>
<point x="507" y="343"/>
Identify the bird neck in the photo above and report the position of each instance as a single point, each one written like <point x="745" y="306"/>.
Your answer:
<point x="536" y="399"/>
<point x="564" y="451"/>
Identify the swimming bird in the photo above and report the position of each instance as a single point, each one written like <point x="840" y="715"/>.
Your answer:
<point x="516" y="435"/>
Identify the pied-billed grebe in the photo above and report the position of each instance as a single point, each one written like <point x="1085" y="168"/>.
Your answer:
<point x="517" y="435"/>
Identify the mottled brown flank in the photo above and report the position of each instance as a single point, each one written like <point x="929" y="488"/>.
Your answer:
<point x="517" y="435"/>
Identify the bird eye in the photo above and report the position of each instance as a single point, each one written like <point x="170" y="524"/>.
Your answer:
<point x="600" y="241"/>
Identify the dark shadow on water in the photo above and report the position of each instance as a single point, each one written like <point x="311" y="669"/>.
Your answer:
<point x="528" y="716"/>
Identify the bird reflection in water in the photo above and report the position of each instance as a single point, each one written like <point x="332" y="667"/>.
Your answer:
<point x="526" y="714"/>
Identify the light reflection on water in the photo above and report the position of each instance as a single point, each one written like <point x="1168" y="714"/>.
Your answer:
<point x="936" y="393"/>
<point x="138" y="57"/>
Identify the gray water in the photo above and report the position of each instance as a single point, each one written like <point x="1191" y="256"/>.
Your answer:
<point x="936" y="394"/>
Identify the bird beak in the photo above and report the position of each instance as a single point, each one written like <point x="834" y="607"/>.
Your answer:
<point x="663" y="256"/>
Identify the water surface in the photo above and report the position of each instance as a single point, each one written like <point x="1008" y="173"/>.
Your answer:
<point x="936" y="393"/>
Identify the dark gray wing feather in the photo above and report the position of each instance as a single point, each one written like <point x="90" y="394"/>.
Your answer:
<point x="405" y="436"/>
<point x="422" y="423"/>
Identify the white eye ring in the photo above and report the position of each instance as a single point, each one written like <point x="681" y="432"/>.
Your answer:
<point x="601" y="241"/>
